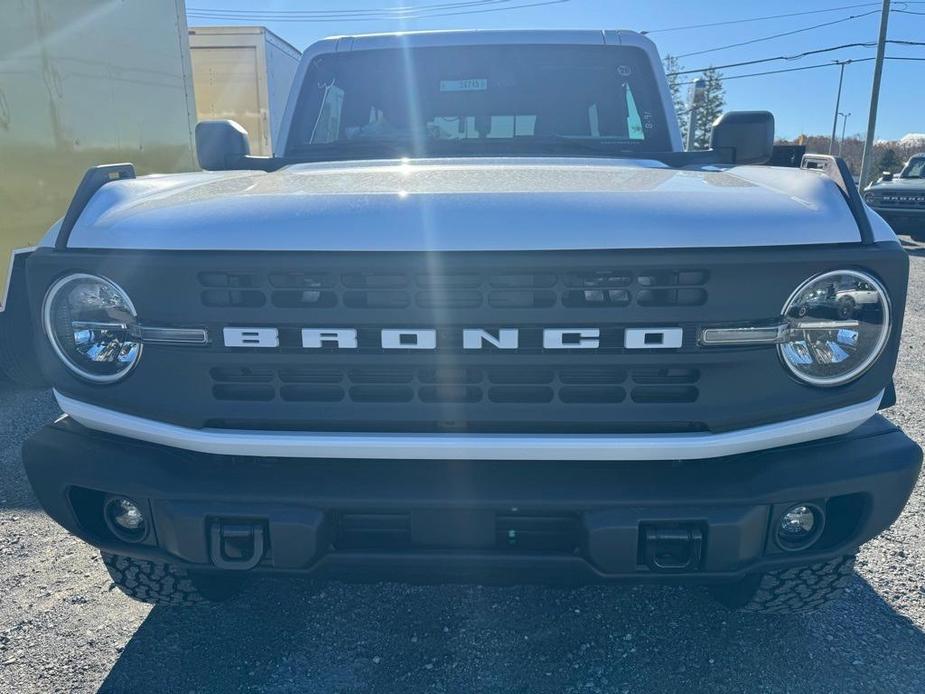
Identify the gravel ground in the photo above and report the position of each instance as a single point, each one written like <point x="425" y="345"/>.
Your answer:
<point x="63" y="627"/>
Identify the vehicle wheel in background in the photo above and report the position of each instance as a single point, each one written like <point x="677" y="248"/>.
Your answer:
<point x="163" y="584"/>
<point x="788" y="591"/>
<point x="17" y="344"/>
<point x="845" y="308"/>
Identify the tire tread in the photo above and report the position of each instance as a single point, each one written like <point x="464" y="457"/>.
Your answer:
<point x="797" y="590"/>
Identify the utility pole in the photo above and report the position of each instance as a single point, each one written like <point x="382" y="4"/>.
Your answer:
<point x="875" y="94"/>
<point x="844" y="124"/>
<point x="696" y="98"/>
<point x="841" y="78"/>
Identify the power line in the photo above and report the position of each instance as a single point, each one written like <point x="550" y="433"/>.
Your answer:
<point x="815" y="67"/>
<point x="777" y="36"/>
<point x="793" y="69"/>
<point x="373" y="15"/>
<point x="758" y="19"/>
<point x="351" y="11"/>
<point x="795" y="56"/>
<point x="746" y="20"/>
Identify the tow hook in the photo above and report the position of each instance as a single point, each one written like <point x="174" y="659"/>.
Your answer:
<point x="673" y="548"/>
<point x="236" y="545"/>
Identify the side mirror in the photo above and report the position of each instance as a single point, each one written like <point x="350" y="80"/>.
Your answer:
<point x="221" y="144"/>
<point x="749" y="134"/>
<point x="886" y="176"/>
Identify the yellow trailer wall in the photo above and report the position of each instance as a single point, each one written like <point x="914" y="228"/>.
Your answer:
<point x="86" y="82"/>
<point x="243" y="73"/>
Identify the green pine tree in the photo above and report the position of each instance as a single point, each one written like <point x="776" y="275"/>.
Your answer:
<point x="712" y="108"/>
<point x="889" y="161"/>
<point x="676" y="85"/>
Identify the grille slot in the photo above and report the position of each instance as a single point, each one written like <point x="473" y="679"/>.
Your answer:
<point x="374" y="374"/>
<point x="525" y="394"/>
<point x="238" y="298"/>
<point x="306" y="393"/>
<point x="246" y="392"/>
<point x="454" y="298"/>
<point x="664" y="394"/>
<point x="381" y="394"/>
<point x="307" y="374"/>
<point x="591" y="375"/>
<point x="447" y="392"/>
<point x="242" y="374"/>
<point x="304" y="298"/>
<point x="591" y="394"/>
<point x="377" y="299"/>
<point x="664" y="375"/>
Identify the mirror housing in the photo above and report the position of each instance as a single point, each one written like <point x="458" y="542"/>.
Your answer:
<point x="749" y="134"/>
<point x="886" y="176"/>
<point x="221" y="145"/>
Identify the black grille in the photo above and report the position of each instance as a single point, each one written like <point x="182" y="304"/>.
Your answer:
<point x="531" y="389"/>
<point x="915" y="201"/>
<point x="604" y="385"/>
<point x="597" y="287"/>
<point x="512" y="532"/>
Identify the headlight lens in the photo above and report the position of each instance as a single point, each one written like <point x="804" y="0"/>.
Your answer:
<point x="839" y="323"/>
<point x="90" y="323"/>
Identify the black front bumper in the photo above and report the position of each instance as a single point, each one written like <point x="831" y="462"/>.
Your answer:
<point x="568" y="521"/>
<point x="903" y="220"/>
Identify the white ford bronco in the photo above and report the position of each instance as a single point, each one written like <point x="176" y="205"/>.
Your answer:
<point x="479" y="318"/>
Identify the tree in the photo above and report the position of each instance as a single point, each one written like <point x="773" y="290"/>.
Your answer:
<point x="714" y="99"/>
<point x="889" y="161"/>
<point x="675" y="86"/>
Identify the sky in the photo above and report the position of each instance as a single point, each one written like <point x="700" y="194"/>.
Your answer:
<point x="802" y="102"/>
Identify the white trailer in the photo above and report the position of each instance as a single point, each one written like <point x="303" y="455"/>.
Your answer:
<point x="243" y="74"/>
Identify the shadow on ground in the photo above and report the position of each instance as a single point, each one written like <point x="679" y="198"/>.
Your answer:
<point x="22" y="412"/>
<point x="289" y="635"/>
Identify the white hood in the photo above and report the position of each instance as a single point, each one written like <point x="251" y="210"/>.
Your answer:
<point x="468" y="205"/>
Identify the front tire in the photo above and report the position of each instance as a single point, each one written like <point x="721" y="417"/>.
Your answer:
<point x="797" y="590"/>
<point x="163" y="584"/>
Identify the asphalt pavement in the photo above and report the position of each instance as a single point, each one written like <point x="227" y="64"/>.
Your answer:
<point x="63" y="626"/>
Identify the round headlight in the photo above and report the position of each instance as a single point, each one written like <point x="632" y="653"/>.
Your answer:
<point x="90" y="323"/>
<point x="839" y="323"/>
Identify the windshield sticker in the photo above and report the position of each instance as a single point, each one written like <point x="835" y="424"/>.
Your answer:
<point x="473" y="85"/>
<point x="624" y="70"/>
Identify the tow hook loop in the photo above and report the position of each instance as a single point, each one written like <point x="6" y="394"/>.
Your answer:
<point x="236" y="545"/>
<point x="673" y="549"/>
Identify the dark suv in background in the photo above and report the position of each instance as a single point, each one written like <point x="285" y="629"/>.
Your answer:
<point x="900" y="200"/>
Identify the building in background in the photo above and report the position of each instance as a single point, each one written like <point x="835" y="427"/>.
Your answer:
<point x="82" y="82"/>
<point x="243" y="74"/>
<point x="89" y="82"/>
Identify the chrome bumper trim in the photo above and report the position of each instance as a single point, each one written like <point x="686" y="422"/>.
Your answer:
<point x="587" y="447"/>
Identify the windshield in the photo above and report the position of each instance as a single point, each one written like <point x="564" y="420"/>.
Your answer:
<point x="522" y="100"/>
<point x="914" y="169"/>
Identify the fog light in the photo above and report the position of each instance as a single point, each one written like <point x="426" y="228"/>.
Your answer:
<point x="799" y="526"/>
<point x="125" y="519"/>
